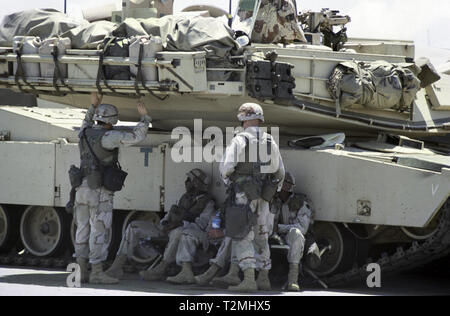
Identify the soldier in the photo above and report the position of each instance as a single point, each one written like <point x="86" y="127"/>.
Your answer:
<point x="164" y="7"/>
<point x="197" y="234"/>
<point x="99" y="144"/>
<point x="293" y="217"/>
<point x="277" y="22"/>
<point x="247" y="180"/>
<point x="191" y="204"/>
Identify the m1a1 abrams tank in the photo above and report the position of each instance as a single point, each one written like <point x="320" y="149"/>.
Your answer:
<point x="380" y="197"/>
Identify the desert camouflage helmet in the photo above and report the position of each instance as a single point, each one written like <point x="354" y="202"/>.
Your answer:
<point x="106" y="113"/>
<point x="289" y="183"/>
<point x="250" y="111"/>
<point x="199" y="178"/>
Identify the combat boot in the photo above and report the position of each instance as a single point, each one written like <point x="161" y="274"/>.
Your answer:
<point x="263" y="281"/>
<point x="116" y="270"/>
<point x="205" y="278"/>
<point x="232" y="278"/>
<point x="97" y="276"/>
<point x="156" y="274"/>
<point x="186" y="276"/>
<point x="293" y="278"/>
<point x="248" y="285"/>
<point x="84" y="266"/>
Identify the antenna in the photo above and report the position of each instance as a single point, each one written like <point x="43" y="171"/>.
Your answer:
<point x="65" y="6"/>
<point x="230" y="15"/>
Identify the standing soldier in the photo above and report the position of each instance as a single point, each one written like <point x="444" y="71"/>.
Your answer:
<point x="247" y="214"/>
<point x="293" y="218"/>
<point x="99" y="144"/>
<point x="277" y="22"/>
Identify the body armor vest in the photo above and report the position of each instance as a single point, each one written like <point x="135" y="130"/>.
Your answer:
<point x="88" y="161"/>
<point x="247" y="175"/>
<point x="189" y="207"/>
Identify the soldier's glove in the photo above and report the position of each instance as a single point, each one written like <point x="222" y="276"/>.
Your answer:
<point x="276" y="239"/>
<point x="70" y="208"/>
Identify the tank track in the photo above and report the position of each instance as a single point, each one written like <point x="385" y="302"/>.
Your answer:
<point x="418" y="254"/>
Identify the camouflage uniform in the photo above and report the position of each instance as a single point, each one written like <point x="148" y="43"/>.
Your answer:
<point x="94" y="208"/>
<point x="164" y="7"/>
<point x="139" y="230"/>
<point x="252" y="251"/>
<point x="224" y="254"/>
<point x="294" y="218"/>
<point x="195" y="235"/>
<point x="277" y="22"/>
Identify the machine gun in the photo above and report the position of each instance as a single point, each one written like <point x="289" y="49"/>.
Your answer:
<point x="323" y="23"/>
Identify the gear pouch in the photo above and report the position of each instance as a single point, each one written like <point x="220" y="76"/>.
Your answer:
<point x="75" y="176"/>
<point x="114" y="178"/>
<point x="239" y="220"/>
<point x="269" y="190"/>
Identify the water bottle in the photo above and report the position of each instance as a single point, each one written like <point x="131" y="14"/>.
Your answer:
<point x="216" y="221"/>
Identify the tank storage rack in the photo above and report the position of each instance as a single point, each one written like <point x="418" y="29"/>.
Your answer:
<point x="52" y="67"/>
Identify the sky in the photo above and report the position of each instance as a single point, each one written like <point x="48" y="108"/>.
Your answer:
<point x="427" y="22"/>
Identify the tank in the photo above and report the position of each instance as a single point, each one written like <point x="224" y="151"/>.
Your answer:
<point x="381" y="196"/>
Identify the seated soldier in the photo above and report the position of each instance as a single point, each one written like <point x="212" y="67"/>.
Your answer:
<point x="189" y="207"/>
<point x="293" y="218"/>
<point x="200" y="233"/>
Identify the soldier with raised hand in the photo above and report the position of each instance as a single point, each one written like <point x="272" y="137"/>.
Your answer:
<point x="191" y="204"/>
<point x="247" y="214"/>
<point x="293" y="218"/>
<point x="99" y="145"/>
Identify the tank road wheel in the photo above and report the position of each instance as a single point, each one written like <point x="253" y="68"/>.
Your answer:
<point x="42" y="230"/>
<point x="9" y="229"/>
<point x="342" y="248"/>
<point x="141" y="254"/>
<point x="423" y="233"/>
<point x="5" y="228"/>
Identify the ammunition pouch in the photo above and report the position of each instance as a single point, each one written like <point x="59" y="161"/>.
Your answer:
<point x="239" y="220"/>
<point x="114" y="178"/>
<point x="269" y="190"/>
<point x="75" y="176"/>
